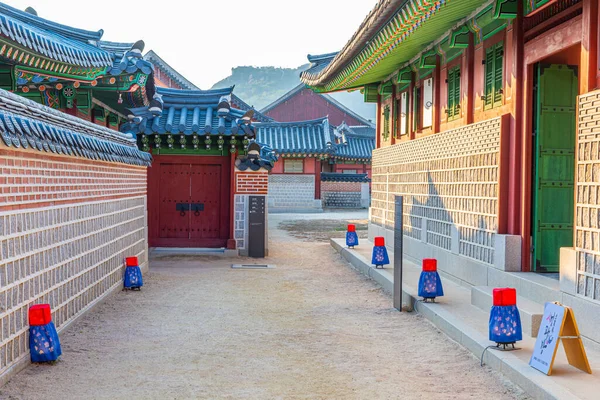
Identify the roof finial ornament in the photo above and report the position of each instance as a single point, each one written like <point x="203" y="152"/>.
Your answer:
<point x="31" y="10"/>
<point x="137" y="48"/>
<point x="224" y="106"/>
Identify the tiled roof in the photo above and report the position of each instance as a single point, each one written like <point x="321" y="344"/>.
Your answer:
<point x="242" y="105"/>
<point x="339" y="177"/>
<point x="318" y="138"/>
<point x="188" y="112"/>
<point x="68" y="45"/>
<point x="152" y="57"/>
<point x="27" y="124"/>
<point x="330" y="99"/>
<point x="303" y="137"/>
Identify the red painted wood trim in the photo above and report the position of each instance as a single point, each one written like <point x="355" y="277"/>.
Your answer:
<point x="437" y="101"/>
<point x="411" y="108"/>
<point x="378" y="123"/>
<point x="317" y="179"/>
<point x="589" y="47"/>
<point x="469" y="79"/>
<point x="231" y="243"/>
<point x="516" y="126"/>
<point x="551" y="42"/>
<point x="504" y="173"/>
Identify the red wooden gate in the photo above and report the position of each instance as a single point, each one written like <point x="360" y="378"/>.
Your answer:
<point x="189" y="201"/>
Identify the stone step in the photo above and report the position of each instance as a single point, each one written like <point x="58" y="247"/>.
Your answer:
<point x="531" y="312"/>
<point x="536" y="287"/>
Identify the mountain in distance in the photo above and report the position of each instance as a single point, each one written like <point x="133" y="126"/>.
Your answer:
<point x="260" y="86"/>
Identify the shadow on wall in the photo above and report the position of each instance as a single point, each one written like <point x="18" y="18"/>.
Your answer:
<point x="432" y="223"/>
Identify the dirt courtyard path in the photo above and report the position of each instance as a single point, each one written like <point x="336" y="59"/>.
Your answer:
<point x="311" y="328"/>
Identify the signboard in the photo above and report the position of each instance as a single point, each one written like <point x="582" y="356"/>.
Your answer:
<point x="558" y="324"/>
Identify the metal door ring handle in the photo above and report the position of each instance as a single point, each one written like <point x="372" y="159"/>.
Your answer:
<point x="182" y="213"/>
<point x="197" y="213"/>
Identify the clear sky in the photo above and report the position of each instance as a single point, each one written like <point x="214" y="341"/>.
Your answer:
<point x="204" y="39"/>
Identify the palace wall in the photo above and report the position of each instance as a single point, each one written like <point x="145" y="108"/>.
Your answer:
<point x="66" y="225"/>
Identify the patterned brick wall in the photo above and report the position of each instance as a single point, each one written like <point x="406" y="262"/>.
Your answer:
<point x="65" y="227"/>
<point x="340" y="187"/>
<point x="448" y="179"/>
<point x="292" y="191"/>
<point x="341" y="194"/>
<point x="587" y="224"/>
<point x="31" y="179"/>
<point x="252" y="182"/>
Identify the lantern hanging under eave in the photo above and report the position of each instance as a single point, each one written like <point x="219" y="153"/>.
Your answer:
<point x="44" y="344"/>
<point x="430" y="283"/>
<point x="133" y="274"/>
<point x="380" y="255"/>
<point x="505" y="321"/>
<point x="351" y="236"/>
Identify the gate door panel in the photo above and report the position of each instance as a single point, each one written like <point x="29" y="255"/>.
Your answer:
<point x="205" y="201"/>
<point x="174" y="198"/>
<point x="554" y="164"/>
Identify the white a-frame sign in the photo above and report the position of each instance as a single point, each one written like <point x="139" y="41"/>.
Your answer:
<point x="558" y="325"/>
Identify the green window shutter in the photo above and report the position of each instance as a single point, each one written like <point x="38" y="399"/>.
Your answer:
<point x="453" y="93"/>
<point x="488" y="92"/>
<point x="451" y="105"/>
<point x="457" y="93"/>
<point x="498" y="74"/>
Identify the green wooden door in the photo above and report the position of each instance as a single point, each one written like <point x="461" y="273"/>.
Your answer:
<point x="554" y="163"/>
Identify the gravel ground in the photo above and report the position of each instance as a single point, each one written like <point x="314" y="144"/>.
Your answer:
<point x="311" y="328"/>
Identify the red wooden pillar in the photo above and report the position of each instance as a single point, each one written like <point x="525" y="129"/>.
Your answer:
<point x="231" y="243"/>
<point x="411" y="108"/>
<point x="317" y="179"/>
<point x="514" y="206"/>
<point x="378" y="123"/>
<point x="589" y="47"/>
<point x="437" y="101"/>
<point x="469" y="80"/>
<point x="393" y="116"/>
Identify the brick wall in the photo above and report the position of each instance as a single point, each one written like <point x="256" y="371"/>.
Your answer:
<point x="292" y="192"/>
<point x="251" y="182"/>
<point x="65" y="226"/>
<point x="449" y="182"/>
<point x="341" y="194"/>
<point x="587" y="223"/>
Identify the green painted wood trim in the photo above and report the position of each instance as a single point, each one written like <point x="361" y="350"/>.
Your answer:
<point x="428" y="59"/>
<point x="405" y="75"/>
<point x="386" y="88"/>
<point x="371" y="94"/>
<point x="506" y="9"/>
<point x="459" y="38"/>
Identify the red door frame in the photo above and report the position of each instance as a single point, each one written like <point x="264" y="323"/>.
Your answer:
<point x="154" y="205"/>
<point x="552" y="42"/>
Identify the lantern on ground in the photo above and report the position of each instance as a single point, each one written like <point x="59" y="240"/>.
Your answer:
<point x="380" y="255"/>
<point x="351" y="236"/>
<point x="430" y="283"/>
<point x="505" y="321"/>
<point x="133" y="274"/>
<point x="44" y="345"/>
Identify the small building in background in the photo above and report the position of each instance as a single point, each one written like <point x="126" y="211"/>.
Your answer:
<point x="308" y="149"/>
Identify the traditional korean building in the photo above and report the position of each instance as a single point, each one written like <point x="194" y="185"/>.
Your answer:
<point x="72" y="187"/>
<point x="308" y="149"/>
<point x="302" y="104"/>
<point x="487" y="126"/>
<point x="194" y="184"/>
<point x="168" y="77"/>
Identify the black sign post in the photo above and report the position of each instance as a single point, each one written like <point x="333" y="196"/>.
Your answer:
<point x="398" y="252"/>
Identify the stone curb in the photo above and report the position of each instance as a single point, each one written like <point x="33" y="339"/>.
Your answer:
<point x="537" y="385"/>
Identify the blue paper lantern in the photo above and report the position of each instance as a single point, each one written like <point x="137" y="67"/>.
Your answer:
<point x="351" y="237"/>
<point x="430" y="283"/>
<point x="44" y="345"/>
<point x="133" y="274"/>
<point x="505" y="320"/>
<point x="380" y="255"/>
